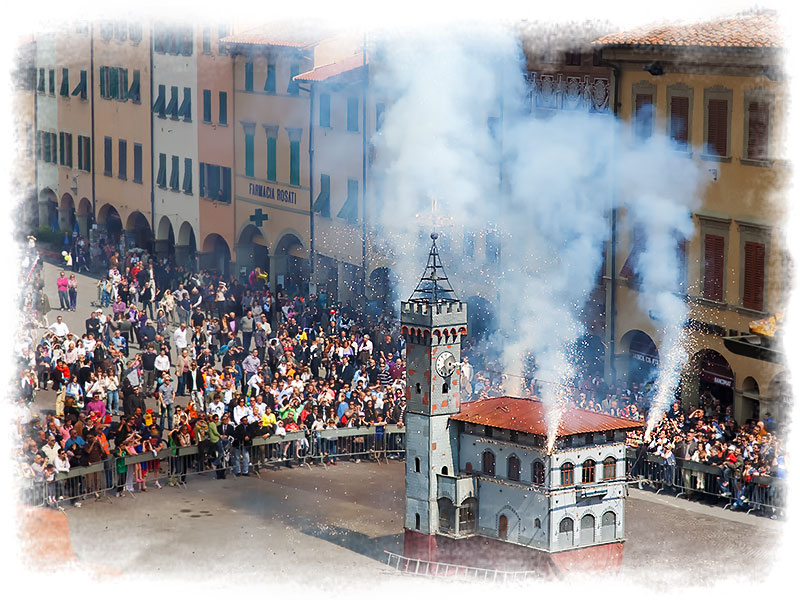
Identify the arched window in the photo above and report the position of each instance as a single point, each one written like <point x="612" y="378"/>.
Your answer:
<point x="608" y="526"/>
<point x="419" y="389"/>
<point x="444" y="470"/>
<point x="488" y="463"/>
<point x="447" y="515"/>
<point x="588" y="471"/>
<point x="587" y="529"/>
<point x="565" y="532"/>
<point x="537" y="523"/>
<point x="502" y="528"/>
<point x="416" y="521"/>
<point x="444" y="387"/>
<point x="567" y="474"/>
<point x="513" y="468"/>
<point x="416" y="464"/>
<point x="538" y="473"/>
<point x="610" y="468"/>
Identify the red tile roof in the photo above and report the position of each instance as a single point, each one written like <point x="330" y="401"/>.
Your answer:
<point x="744" y="31"/>
<point x="326" y="72"/>
<point x="527" y="415"/>
<point x="287" y="34"/>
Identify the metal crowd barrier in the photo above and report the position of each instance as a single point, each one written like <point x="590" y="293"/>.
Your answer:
<point x="129" y="475"/>
<point x="416" y="566"/>
<point x="766" y="495"/>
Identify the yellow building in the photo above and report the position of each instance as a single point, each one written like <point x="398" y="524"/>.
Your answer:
<point x="716" y="90"/>
<point x="23" y="102"/>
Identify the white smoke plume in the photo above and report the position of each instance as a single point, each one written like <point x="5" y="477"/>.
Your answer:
<point x="457" y="130"/>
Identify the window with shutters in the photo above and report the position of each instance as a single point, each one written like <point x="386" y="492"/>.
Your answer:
<point x="269" y="83"/>
<point x="680" y="99"/>
<point x="159" y="106"/>
<point x="51" y="82"/>
<point x="294" y="87"/>
<point x="134" y="93"/>
<point x="175" y="174"/>
<point x="714" y="267"/>
<point x="271" y="132"/>
<point x="161" y="178"/>
<point x="172" y="107"/>
<point x="322" y="204"/>
<point x="637" y="242"/>
<point x="40" y="85"/>
<point x="488" y="463"/>
<point x="61" y="149"/>
<point x="609" y="467"/>
<point x="567" y="474"/>
<point x="248" y="76"/>
<point x="572" y="58"/>
<point x="643" y="116"/>
<point x="249" y="142"/>
<point x="185" y="110"/>
<point x="758" y="110"/>
<point x="206" y="40"/>
<point x="587" y="472"/>
<point x="352" y="114"/>
<point x="683" y="265"/>
<point x="206" y="106"/>
<point x="717" y="110"/>
<point x="107" y="157"/>
<point x="295" y="135"/>
<point x="137" y="163"/>
<point x="513" y="468"/>
<point x="64" y="90"/>
<point x="753" y="292"/>
<point x="80" y="89"/>
<point x="123" y="159"/>
<point x="187" y="176"/>
<point x="223" y="108"/>
<point x="324" y="110"/>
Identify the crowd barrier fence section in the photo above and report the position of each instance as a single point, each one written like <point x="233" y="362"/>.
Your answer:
<point x="690" y="478"/>
<point x="417" y="566"/>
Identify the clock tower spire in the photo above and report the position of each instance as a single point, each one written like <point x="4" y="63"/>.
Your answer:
<point x="433" y="321"/>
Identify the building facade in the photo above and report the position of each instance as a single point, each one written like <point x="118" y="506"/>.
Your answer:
<point x="721" y="101"/>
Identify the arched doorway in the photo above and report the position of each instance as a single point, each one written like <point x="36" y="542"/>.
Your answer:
<point x="216" y="255"/>
<point x="714" y="378"/>
<point x="138" y="232"/>
<point x="66" y="214"/>
<point x="186" y="248"/>
<point x="447" y="515"/>
<point x="380" y="291"/>
<point x="48" y="209"/>
<point x="292" y="267"/>
<point x="608" y="526"/>
<point x="502" y="527"/>
<point x="165" y="239"/>
<point x="642" y="357"/>
<point x="108" y="218"/>
<point x="587" y="529"/>
<point x="84" y="217"/>
<point x="252" y="250"/>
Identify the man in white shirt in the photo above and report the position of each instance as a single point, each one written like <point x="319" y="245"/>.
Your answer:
<point x="162" y="361"/>
<point x="216" y="407"/>
<point x="59" y="327"/>
<point x="180" y="337"/>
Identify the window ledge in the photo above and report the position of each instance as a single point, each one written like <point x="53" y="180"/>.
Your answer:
<point x="715" y="158"/>
<point x="189" y="193"/>
<point x="756" y="163"/>
<point x="222" y="124"/>
<point x="136" y="180"/>
<point x="122" y="178"/>
<point x="709" y="303"/>
<point x="748" y="311"/>
<point x="207" y="122"/>
<point x="108" y="174"/>
<point x="684" y="153"/>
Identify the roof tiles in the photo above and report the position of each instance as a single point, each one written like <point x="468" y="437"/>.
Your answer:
<point x="326" y="72"/>
<point x="528" y="416"/>
<point x="744" y="31"/>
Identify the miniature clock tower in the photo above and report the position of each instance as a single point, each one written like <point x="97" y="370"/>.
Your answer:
<point x="433" y="322"/>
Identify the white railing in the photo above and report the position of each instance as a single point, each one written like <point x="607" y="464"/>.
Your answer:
<point x="416" y="566"/>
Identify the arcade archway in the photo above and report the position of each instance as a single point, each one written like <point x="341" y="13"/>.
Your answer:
<point x="216" y="255"/>
<point x="66" y="214"/>
<point x="138" y="232"/>
<point x="165" y="239"/>
<point x="84" y="217"/>
<point x="292" y="267"/>
<point x="108" y="218"/>
<point x="713" y="377"/>
<point x="252" y="250"/>
<point x="642" y="356"/>
<point x="48" y="209"/>
<point x="186" y="248"/>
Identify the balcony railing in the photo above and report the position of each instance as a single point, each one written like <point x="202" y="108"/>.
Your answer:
<point x="559" y="91"/>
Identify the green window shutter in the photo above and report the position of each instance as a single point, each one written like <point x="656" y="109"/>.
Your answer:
<point x="103" y="82"/>
<point x="294" y="163"/>
<point x="107" y="156"/>
<point x="248" y="76"/>
<point x="324" y="110"/>
<point x="64" y="83"/>
<point x="137" y="163"/>
<point x="161" y="179"/>
<point x="207" y="106"/>
<point x="185" y="110"/>
<point x="123" y="159"/>
<point x="213" y="182"/>
<point x="293" y="88"/>
<point x="172" y="107"/>
<point x="202" y="170"/>
<point x="225" y="193"/>
<point x="187" y="176"/>
<point x="223" y="108"/>
<point x="272" y="159"/>
<point x="349" y="211"/>
<point x="123" y="91"/>
<point x="68" y="138"/>
<point x="80" y="89"/>
<point x="322" y="204"/>
<point x="134" y="95"/>
<point x="158" y="107"/>
<point x="40" y="86"/>
<point x="80" y="154"/>
<point x="61" y="148"/>
<point x="174" y="177"/>
<point x="352" y="114"/>
<point x="51" y="84"/>
<point x="269" y="84"/>
<point x="249" y="167"/>
<point x="113" y="82"/>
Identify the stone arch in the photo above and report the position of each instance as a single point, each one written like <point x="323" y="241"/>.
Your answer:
<point x="587" y="531"/>
<point x="642" y="356"/>
<point x="512" y="523"/>
<point x="608" y="526"/>
<point x="291" y="262"/>
<point x="66" y="213"/>
<point x="48" y="209"/>
<point x="566" y="532"/>
<point x="252" y="249"/>
<point x="186" y="248"/>
<point x="216" y="254"/>
<point x="138" y="232"/>
<point x="165" y="238"/>
<point x="709" y="373"/>
<point x="750" y="385"/>
<point x="447" y="514"/>
<point x="109" y="219"/>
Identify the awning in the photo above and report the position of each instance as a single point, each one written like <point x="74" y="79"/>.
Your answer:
<point x="716" y="370"/>
<point x="753" y="346"/>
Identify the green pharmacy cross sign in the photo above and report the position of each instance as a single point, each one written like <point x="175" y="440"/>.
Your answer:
<point x="259" y="217"/>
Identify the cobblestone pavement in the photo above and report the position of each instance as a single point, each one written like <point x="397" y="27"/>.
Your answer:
<point x="336" y="523"/>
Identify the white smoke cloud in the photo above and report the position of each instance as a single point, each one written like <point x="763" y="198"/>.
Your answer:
<point x="459" y="131"/>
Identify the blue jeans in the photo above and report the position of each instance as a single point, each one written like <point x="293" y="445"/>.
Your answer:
<point x="241" y="460"/>
<point x="167" y="413"/>
<point x="112" y="401"/>
<point x="73" y="298"/>
<point x="105" y="298"/>
<point x="63" y="299"/>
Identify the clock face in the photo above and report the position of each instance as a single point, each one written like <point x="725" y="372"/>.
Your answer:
<point x="445" y="363"/>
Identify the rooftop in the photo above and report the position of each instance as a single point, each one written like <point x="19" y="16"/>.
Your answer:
<point x="327" y="72"/>
<point x="286" y="34"/>
<point x="758" y="30"/>
<point x="528" y="416"/>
